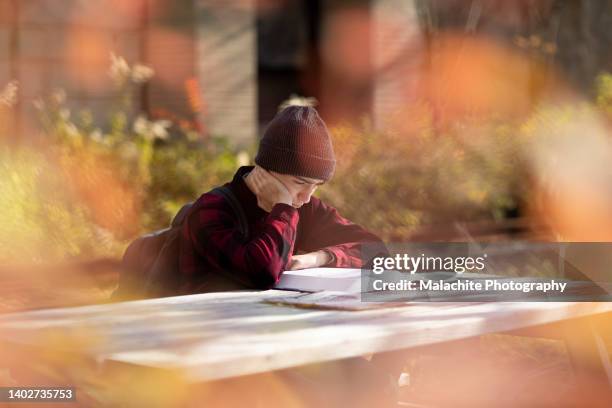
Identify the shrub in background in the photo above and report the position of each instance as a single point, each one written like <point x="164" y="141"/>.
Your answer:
<point x="90" y="190"/>
<point x="41" y="217"/>
<point x="479" y="169"/>
<point x="85" y="191"/>
<point x="398" y="180"/>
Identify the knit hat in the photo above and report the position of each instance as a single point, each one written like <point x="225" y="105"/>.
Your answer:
<point x="297" y="142"/>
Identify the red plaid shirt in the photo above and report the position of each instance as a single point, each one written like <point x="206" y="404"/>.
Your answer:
<point x="214" y="256"/>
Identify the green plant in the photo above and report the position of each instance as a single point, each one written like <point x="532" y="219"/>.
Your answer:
<point x="397" y="180"/>
<point x="415" y="173"/>
<point x="41" y="217"/>
<point x="85" y="191"/>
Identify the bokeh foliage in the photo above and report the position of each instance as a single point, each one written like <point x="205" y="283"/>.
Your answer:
<point x="85" y="191"/>
<point x="478" y="168"/>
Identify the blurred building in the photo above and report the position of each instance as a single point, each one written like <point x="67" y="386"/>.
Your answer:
<point x="224" y="66"/>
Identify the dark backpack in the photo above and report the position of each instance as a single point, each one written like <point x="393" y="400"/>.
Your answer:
<point x="150" y="264"/>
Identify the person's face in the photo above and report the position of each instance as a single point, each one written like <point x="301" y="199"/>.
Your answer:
<point x="300" y="188"/>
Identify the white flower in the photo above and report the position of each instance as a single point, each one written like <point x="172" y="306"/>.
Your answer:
<point x="151" y="129"/>
<point x="119" y="70"/>
<point x="140" y="126"/>
<point x="159" y="128"/>
<point x="8" y="96"/>
<point x="141" y="73"/>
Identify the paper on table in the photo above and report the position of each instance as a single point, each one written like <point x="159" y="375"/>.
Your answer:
<point x="333" y="300"/>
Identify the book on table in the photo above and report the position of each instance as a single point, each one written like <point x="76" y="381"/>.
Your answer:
<point x="346" y="280"/>
<point x="319" y="279"/>
<point x="342" y="288"/>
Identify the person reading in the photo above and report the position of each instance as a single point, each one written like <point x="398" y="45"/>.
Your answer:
<point x="288" y="228"/>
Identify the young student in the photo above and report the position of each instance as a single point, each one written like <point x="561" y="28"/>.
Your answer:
<point x="287" y="227"/>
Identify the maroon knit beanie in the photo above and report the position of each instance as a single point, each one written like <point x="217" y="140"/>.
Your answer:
<point x="297" y="142"/>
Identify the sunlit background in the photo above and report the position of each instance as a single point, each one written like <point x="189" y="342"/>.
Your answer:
<point x="452" y="120"/>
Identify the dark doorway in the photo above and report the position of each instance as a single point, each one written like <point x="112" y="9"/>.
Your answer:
<point x="288" y="34"/>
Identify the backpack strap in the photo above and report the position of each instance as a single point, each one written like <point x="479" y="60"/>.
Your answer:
<point x="243" y="226"/>
<point x="231" y="199"/>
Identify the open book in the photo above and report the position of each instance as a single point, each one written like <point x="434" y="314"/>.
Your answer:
<point x="341" y="288"/>
<point x="334" y="288"/>
<point x="345" y="279"/>
<point x="318" y="279"/>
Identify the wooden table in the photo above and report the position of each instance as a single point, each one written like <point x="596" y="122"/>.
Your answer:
<point x="216" y="336"/>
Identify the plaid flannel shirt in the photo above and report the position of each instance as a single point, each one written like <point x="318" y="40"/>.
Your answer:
<point x="214" y="256"/>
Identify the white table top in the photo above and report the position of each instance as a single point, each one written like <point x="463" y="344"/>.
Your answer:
<point x="221" y="335"/>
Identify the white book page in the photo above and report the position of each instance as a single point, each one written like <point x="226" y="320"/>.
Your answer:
<point x="325" y="273"/>
<point x="333" y="301"/>
<point x="317" y="279"/>
<point x="349" y="279"/>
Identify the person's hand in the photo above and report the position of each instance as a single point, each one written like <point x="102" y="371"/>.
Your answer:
<point x="309" y="260"/>
<point x="268" y="189"/>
